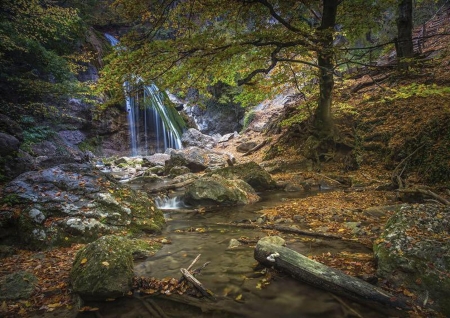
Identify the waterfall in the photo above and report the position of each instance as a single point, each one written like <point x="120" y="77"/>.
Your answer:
<point x="151" y="125"/>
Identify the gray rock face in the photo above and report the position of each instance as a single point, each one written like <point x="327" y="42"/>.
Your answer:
<point x="196" y="159"/>
<point x="215" y="120"/>
<point x="218" y="190"/>
<point x="8" y="144"/>
<point x="193" y="137"/>
<point x="73" y="203"/>
<point x="103" y="269"/>
<point x="414" y="252"/>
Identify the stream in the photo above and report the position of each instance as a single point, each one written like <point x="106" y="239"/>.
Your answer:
<point x="242" y="288"/>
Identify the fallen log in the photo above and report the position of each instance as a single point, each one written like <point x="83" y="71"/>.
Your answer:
<point x="324" y="277"/>
<point x="285" y="229"/>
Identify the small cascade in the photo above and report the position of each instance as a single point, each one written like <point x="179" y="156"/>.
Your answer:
<point x="169" y="203"/>
<point x="151" y="125"/>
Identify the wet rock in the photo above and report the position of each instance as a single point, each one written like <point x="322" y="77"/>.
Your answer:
<point x="414" y="253"/>
<point x="74" y="203"/>
<point x="233" y="244"/>
<point x="276" y="240"/>
<point x="250" y="172"/>
<point x="19" y="285"/>
<point x="218" y="190"/>
<point x="194" y="138"/>
<point x="103" y="269"/>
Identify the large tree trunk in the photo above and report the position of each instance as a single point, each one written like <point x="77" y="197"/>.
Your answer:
<point x="323" y="118"/>
<point x="404" y="44"/>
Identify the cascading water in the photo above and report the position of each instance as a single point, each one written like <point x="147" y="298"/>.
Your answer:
<point x="150" y="125"/>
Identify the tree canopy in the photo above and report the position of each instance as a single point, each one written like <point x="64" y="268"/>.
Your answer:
<point x="256" y="46"/>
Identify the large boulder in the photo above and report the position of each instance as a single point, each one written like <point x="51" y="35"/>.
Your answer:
<point x="74" y="203"/>
<point x="215" y="189"/>
<point x="414" y="253"/>
<point x="193" y="137"/>
<point x="103" y="269"/>
<point x="197" y="159"/>
<point x="250" y="172"/>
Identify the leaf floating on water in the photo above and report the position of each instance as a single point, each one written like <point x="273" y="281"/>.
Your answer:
<point x="88" y="308"/>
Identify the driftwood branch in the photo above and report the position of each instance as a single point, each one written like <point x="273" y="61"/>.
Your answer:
<point x="285" y="229"/>
<point x="426" y="192"/>
<point x="256" y="148"/>
<point x="194" y="281"/>
<point x="324" y="277"/>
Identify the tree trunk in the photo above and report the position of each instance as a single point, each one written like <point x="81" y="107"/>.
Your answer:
<point x="323" y="119"/>
<point x="404" y="42"/>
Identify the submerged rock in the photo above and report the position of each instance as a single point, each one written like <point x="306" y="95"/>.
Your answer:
<point x="218" y="190"/>
<point x="414" y="253"/>
<point x="74" y="203"/>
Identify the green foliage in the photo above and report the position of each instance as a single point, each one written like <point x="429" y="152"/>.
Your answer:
<point x="36" y="134"/>
<point x="38" y="52"/>
<point x="10" y="200"/>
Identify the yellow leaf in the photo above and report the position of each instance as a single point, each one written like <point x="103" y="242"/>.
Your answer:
<point x="341" y="230"/>
<point x="54" y="305"/>
<point x="238" y="297"/>
<point x="153" y="208"/>
<point x="83" y="261"/>
<point x="407" y="293"/>
<point x="105" y="263"/>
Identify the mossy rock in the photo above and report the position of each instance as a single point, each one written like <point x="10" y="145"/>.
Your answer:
<point x="251" y="173"/>
<point x="103" y="269"/>
<point x="414" y="253"/>
<point x="218" y="190"/>
<point x="18" y="285"/>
